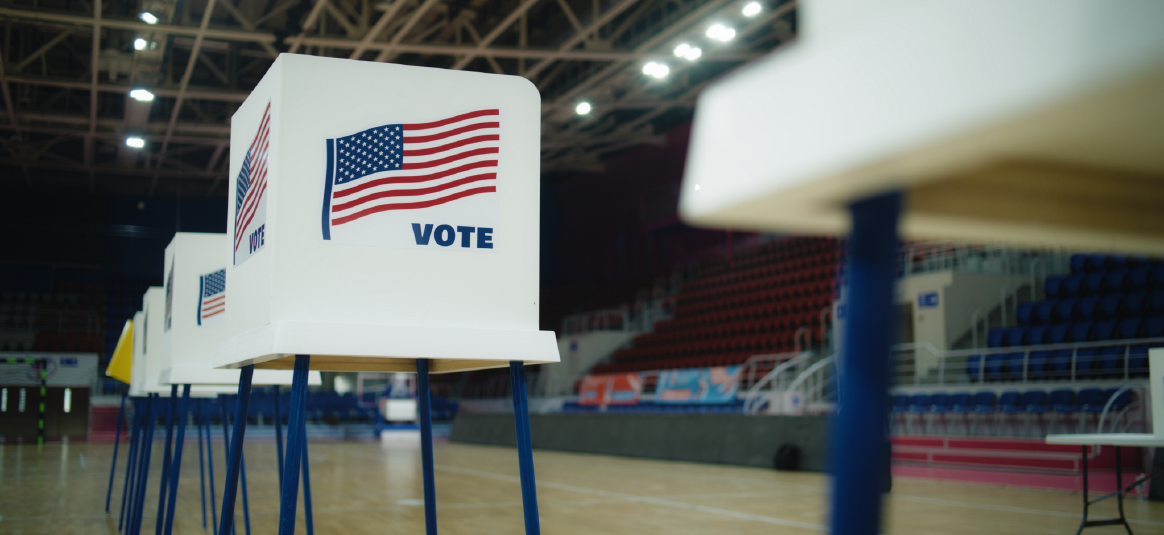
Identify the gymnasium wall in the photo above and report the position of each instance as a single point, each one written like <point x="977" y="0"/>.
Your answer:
<point x="709" y="438"/>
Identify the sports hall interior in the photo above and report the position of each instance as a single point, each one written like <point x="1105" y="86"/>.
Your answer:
<point x="700" y="364"/>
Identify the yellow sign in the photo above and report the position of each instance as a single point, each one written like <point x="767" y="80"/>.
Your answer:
<point x="120" y="364"/>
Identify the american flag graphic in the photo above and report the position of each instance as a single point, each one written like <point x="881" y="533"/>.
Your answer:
<point x="211" y="296"/>
<point x="410" y="166"/>
<point x="252" y="181"/>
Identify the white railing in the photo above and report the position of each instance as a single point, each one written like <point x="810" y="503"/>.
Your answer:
<point x="809" y="392"/>
<point x="765" y="392"/>
<point x="932" y="256"/>
<point x="978" y="366"/>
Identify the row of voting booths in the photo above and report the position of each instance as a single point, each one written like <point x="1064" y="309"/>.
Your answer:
<point x="393" y="229"/>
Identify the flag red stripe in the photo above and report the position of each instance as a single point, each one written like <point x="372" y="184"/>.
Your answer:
<point x="259" y="167"/>
<point x="413" y="205"/>
<point x="262" y="124"/>
<point x="249" y="209"/>
<point x="413" y="179"/>
<point x="451" y="120"/>
<point x="450" y="146"/>
<point x="248" y="221"/>
<point x="410" y="192"/>
<point x="208" y="301"/>
<point x="204" y="316"/>
<point x="215" y="307"/>
<point x="453" y="158"/>
<point x="450" y="133"/>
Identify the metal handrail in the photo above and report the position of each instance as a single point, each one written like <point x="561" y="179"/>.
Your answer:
<point x="811" y="372"/>
<point x="750" y="398"/>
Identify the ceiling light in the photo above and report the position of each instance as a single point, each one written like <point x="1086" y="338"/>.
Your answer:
<point x="722" y="33"/>
<point x="752" y="9"/>
<point x="682" y="50"/>
<point x="141" y="95"/>
<point x="583" y="108"/>
<point x="140" y="44"/>
<point x="148" y="17"/>
<point x="658" y="70"/>
<point x="135" y="142"/>
<point x="693" y="53"/>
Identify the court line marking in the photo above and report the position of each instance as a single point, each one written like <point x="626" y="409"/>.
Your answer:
<point x="635" y="498"/>
<point x="1007" y="508"/>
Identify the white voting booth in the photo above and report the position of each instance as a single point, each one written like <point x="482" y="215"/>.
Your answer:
<point x="151" y="352"/>
<point x="384" y="218"/>
<point x="195" y="278"/>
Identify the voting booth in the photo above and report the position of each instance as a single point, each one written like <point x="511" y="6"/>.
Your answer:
<point x="899" y="117"/>
<point x="152" y="354"/>
<point x="383" y="218"/>
<point x="383" y="213"/>
<point x="194" y="323"/>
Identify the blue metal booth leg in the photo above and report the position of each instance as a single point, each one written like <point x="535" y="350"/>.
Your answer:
<point x="116" y="443"/>
<point x="143" y="469"/>
<point x="134" y="436"/>
<point x="289" y="490"/>
<point x="210" y="467"/>
<point x="201" y="460"/>
<point x="242" y="472"/>
<point x="529" y="492"/>
<point x="859" y="428"/>
<point x="308" y="514"/>
<point x="278" y="433"/>
<point x="234" y="458"/>
<point x="165" y="488"/>
<point x="424" y="409"/>
<point x="176" y="468"/>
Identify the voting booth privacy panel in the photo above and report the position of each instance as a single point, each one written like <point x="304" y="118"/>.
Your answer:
<point x="194" y="323"/>
<point x="151" y="352"/>
<point x="1048" y="134"/>
<point x="383" y="213"/>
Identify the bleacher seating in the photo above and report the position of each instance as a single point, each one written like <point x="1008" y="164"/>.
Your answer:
<point x="752" y="305"/>
<point x="980" y="407"/>
<point x="1105" y="298"/>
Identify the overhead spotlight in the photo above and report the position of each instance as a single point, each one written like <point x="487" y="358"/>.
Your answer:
<point x="148" y="17"/>
<point x="658" y="70"/>
<point x="682" y="50"/>
<point x="721" y="33"/>
<point x="583" y="108"/>
<point x="134" y="142"/>
<point x="752" y="9"/>
<point x="140" y="44"/>
<point x="686" y="51"/>
<point x="141" y="95"/>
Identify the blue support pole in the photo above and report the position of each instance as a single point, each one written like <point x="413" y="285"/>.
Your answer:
<point x="165" y="488"/>
<point x="529" y="491"/>
<point x="201" y="460"/>
<point x="424" y="409"/>
<point x="859" y="428"/>
<point x="176" y="468"/>
<point x="130" y="462"/>
<point x="242" y="472"/>
<point x="144" y="468"/>
<point x="234" y="460"/>
<point x="290" y="488"/>
<point x="210" y="468"/>
<point x="278" y="435"/>
<point x="308" y="514"/>
<point x="116" y="444"/>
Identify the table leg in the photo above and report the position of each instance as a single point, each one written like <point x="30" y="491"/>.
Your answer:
<point x="529" y="492"/>
<point x="424" y="414"/>
<point x="116" y="444"/>
<point x="1086" y="499"/>
<point x="165" y="487"/>
<point x="290" y="487"/>
<point x="176" y="469"/>
<point x="1120" y="489"/>
<point x="234" y="460"/>
<point x="134" y="436"/>
<point x="857" y="463"/>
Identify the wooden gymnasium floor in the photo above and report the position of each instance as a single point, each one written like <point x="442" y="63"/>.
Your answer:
<point x="372" y="487"/>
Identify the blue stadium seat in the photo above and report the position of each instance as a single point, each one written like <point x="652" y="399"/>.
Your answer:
<point x="1037" y="364"/>
<point x="1024" y="312"/>
<point x="1009" y="401"/>
<point x="1116" y="280"/>
<point x="983" y="402"/>
<point x="1071" y="285"/>
<point x="1081" y="332"/>
<point x="1129" y="328"/>
<point x="1033" y="401"/>
<point x="1120" y="402"/>
<point x="1138" y="360"/>
<point x="1015" y="337"/>
<point x="1052" y="285"/>
<point x="1012" y="366"/>
<point x="1058" y="332"/>
<point x="1154" y="326"/>
<point x="973" y="366"/>
<point x="1117" y="262"/>
<point x="1037" y="335"/>
<point x="994" y="366"/>
<point x="1156" y="279"/>
<point x="1105" y="329"/>
<point x="1085" y="362"/>
<point x="1093" y="282"/>
<point x="1138" y="277"/>
<point x="1155" y="302"/>
<point x="919" y="403"/>
<point x="1065" y="310"/>
<point x="1097" y="262"/>
<point x="1045" y="311"/>
<point x="1086" y="308"/>
<point x="1078" y="263"/>
<point x="995" y="337"/>
<point x="1133" y="303"/>
<point x="939" y="402"/>
<point x="1109" y="305"/>
<point x="1062" y="401"/>
<point x="1109" y="362"/>
<point x="1089" y="397"/>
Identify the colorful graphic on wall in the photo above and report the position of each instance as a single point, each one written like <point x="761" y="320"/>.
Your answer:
<point x="698" y="385"/>
<point x="611" y="389"/>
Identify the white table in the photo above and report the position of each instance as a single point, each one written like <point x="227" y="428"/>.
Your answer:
<point x="1115" y="440"/>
